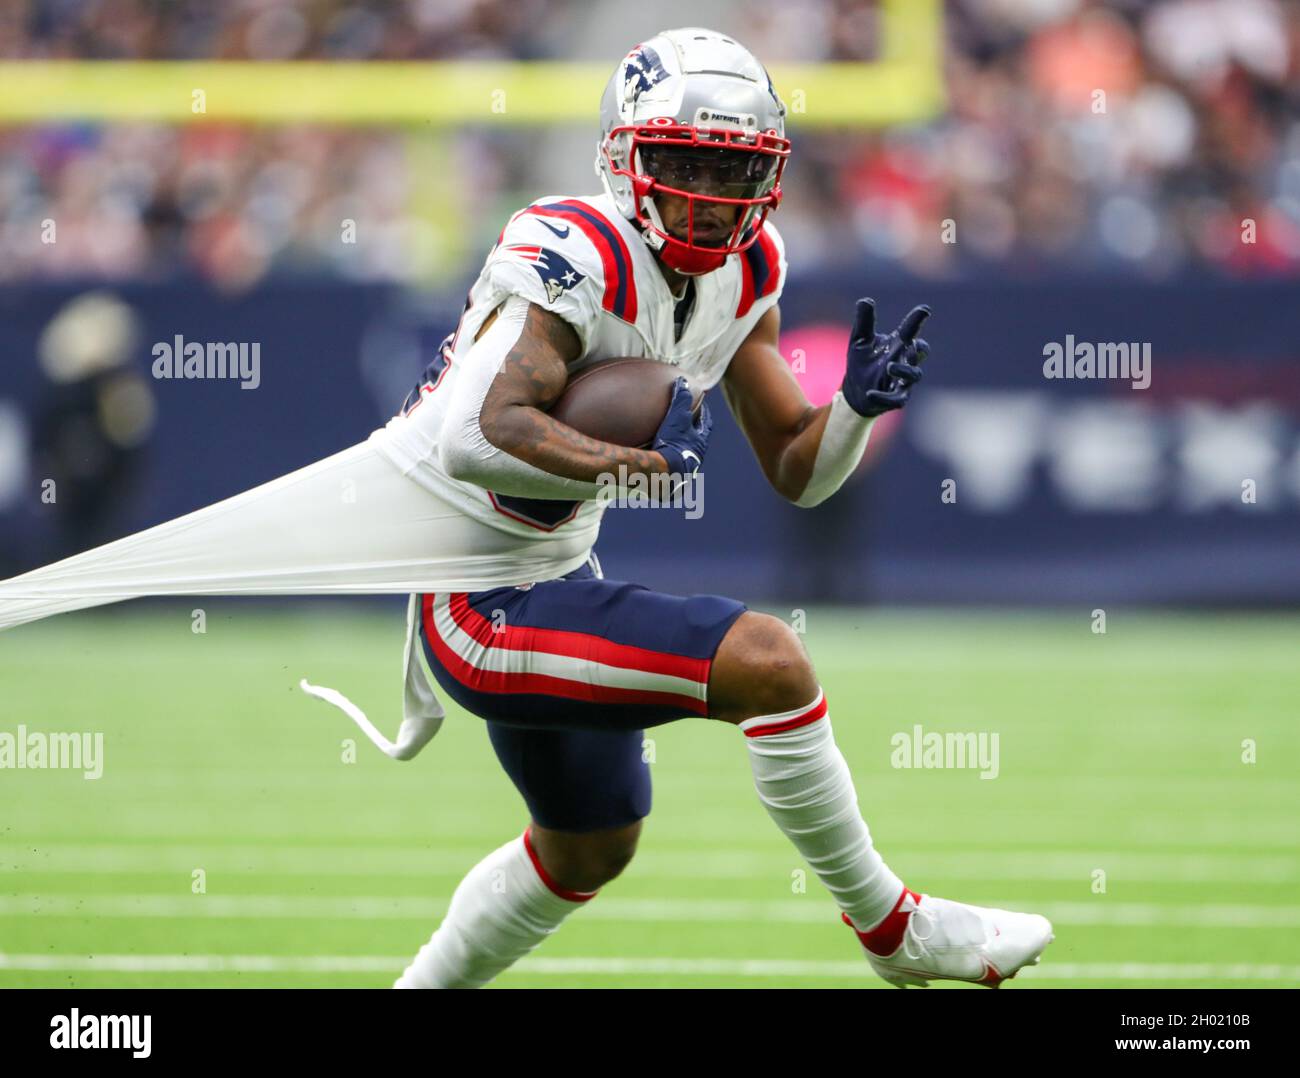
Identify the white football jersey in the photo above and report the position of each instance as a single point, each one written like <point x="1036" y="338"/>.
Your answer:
<point x="582" y="260"/>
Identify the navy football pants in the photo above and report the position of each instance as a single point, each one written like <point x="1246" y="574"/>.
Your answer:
<point x="568" y="674"/>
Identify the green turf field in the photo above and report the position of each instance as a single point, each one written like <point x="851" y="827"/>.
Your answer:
<point x="1118" y="754"/>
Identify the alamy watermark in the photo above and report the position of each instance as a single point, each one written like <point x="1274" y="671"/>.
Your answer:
<point x="1105" y="359"/>
<point x="658" y="490"/>
<point x="114" y="1031"/>
<point x="179" y="358"/>
<point x="951" y="750"/>
<point x="33" y="749"/>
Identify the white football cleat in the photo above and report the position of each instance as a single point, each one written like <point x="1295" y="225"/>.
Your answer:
<point x="951" y="941"/>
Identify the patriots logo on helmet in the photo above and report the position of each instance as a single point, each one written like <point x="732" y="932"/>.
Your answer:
<point x="771" y="89"/>
<point x="556" y="272"/>
<point x="642" y="69"/>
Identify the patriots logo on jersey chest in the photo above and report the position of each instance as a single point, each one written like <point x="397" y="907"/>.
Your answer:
<point x="556" y="272"/>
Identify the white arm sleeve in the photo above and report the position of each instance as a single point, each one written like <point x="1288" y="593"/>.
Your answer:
<point x="465" y="452"/>
<point x="843" y="442"/>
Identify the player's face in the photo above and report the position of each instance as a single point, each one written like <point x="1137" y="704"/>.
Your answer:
<point x="712" y="225"/>
<point x="705" y="171"/>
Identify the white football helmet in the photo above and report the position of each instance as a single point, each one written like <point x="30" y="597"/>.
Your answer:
<point x="691" y="113"/>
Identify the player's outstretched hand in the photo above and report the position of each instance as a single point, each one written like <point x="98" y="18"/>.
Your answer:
<point x="883" y="367"/>
<point x="682" y="437"/>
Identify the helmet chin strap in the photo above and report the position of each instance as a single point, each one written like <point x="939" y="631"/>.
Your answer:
<point x="691" y="263"/>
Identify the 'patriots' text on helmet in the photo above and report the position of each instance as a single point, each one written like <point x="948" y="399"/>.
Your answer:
<point x="692" y="114"/>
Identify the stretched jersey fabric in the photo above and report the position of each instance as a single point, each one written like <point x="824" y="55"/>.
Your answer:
<point x="347" y="525"/>
<point x="301" y="535"/>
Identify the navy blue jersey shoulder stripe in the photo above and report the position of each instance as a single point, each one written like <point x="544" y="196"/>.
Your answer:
<point x="759" y="267"/>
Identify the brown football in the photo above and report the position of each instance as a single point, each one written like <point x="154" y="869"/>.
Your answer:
<point x="622" y="401"/>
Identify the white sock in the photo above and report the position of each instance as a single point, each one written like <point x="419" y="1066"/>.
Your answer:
<point x="806" y="787"/>
<point x="503" y="908"/>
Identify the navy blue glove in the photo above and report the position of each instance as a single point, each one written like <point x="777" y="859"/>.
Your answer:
<point x="683" y="438"/>
<point x="882" y="367"/>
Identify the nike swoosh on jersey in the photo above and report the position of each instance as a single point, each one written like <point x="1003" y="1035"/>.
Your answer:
<point x="561" y="232"/>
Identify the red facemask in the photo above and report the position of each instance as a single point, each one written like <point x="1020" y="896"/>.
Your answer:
<point x="736" y="169"/>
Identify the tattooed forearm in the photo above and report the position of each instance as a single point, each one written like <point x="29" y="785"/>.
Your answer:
<point x="530" y="381"/>
<point x="548" y="444"/>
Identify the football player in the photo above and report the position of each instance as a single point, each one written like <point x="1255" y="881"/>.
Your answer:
<point x="675" y="260"/>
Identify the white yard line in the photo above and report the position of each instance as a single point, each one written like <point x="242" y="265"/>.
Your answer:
<point x="700" y="863"/>
<point x="1099" y="911"/>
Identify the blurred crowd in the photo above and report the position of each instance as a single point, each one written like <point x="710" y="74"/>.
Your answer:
<point x="1154" y="137"/>
<point x="271" y="29"/>
<point x="230" y="203"/>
